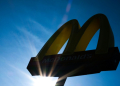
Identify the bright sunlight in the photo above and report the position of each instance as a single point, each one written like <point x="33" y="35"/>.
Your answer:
<point x="44" y="81"/>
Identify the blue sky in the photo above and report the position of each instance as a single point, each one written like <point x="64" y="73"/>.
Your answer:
<point x="25" y="26"/>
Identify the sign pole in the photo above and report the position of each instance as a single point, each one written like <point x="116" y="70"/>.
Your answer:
<point x="60" y="82"/>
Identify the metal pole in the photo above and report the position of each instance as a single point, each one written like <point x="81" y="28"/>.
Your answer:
<point x="60" y="82"/>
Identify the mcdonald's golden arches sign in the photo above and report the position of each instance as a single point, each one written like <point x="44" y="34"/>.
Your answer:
<point x="75" y="60"/>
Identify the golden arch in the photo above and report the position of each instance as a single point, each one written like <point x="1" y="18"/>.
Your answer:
<point x="79" y="37"/>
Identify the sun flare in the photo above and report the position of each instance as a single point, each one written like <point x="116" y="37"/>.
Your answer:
<point x="44" y="81"/>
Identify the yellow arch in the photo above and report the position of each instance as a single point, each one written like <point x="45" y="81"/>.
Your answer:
<point x="79" y="37"/>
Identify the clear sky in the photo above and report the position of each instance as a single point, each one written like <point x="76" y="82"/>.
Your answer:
<point x="25" y="26"/>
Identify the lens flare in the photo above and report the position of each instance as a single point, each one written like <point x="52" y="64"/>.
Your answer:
<point x="44" y="81"/>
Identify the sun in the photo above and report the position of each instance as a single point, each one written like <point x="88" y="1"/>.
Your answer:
<point x="44" y="81"/>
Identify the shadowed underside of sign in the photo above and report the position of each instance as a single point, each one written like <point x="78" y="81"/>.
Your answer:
<point x="75" y="60"/>
<point x="78" y="63"/>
